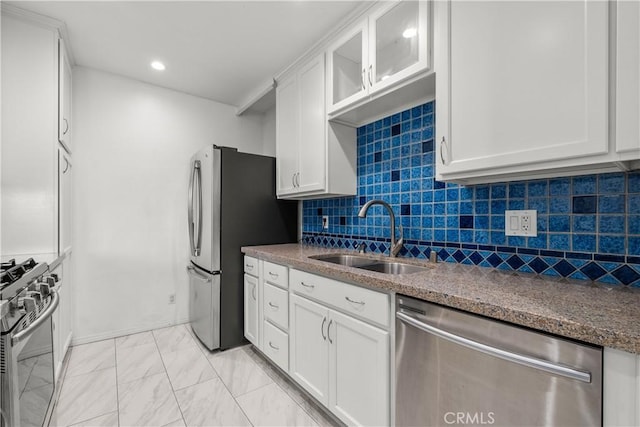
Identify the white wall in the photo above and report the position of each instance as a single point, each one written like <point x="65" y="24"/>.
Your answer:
<point x="133" y="142"/>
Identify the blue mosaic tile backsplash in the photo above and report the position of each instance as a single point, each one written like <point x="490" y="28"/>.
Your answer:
<point x="588" y="226"/>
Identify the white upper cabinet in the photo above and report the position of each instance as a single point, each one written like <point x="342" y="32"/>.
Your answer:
<point x="385" y="48"/>
<point x="64" y="97"/>
<point x="627" y="79"/>
<point x="313" y="158"/>
<point x="522" y="89"/>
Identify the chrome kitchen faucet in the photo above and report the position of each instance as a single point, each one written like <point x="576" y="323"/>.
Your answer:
<point x="396" y="246"/>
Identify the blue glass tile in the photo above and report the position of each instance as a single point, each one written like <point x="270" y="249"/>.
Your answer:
<point x="482" y="192"/>
<point x="498" y="191"/>
<point x="466" y="208"/>
<point x="634" y="204"/>
<point x="466" y="235"/>
<point x="497" y="222"/>
<point x="634" y="182"/>
<point x="482" y="207"/>
<point x="611" y="204"/>
<point x="584" y="185"/>
<point x="538" y="265"/>
<point x="609" y="258"/>
<point x="559" y="242"/>
<point x="438" y="184"/>
<point x="427" y="146"/>
<point x="516" y="241"/>
<point x="498" y="237"/>
<point x="584" y="223"/>
<point x="611" y="224"/>
<point x="560" y="205"/>
<point x="634" y="245"/>
<point x="626" y="275"/>
<point x="584" y="204"/>
<point x="539" y="204"/>
<point x="611" y="183"/>
<point x="593" y="271"/>
<point x="452" y="194"/>
<point x="494" y="260"/>
<point x="560" y="187"/>
<point x="453" y="209"/>
<point x="476" y="258"/>
<point x="559" y="223"/>
<point x="537" y="189"/>
<point x="498" y="207"/>
<point x="583" y="242"/>
<point x="516" y="204"/>
<point x="466" y="221"/>
<point x="611" y="244"/>
<point x="517" y="190"/>
<point x="539" y="242"/>
<point x="564" y="268"/>
<point x="634" y="224"/>
<point x="481" y="222"/>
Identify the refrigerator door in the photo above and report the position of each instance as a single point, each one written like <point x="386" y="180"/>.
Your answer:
<point x="204" y="209"/>
<point x="204" y="306"/>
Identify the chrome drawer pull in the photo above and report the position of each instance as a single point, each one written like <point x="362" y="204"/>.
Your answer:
<point x="273" y="346"/>
<point x="354" y="302"/>
<point x="249" y="266"/>
<point x="273" y="305"/>
<point x="274" y="275"/>
<point x="307" y="286"/>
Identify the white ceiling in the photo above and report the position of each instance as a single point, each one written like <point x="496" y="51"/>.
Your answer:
<point x="220" y="50"/>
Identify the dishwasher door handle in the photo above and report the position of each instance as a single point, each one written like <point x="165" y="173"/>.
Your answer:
<point x="520" y="359"/>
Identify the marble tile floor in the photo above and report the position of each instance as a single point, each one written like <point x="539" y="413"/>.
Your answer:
<point x="166" y="377"/>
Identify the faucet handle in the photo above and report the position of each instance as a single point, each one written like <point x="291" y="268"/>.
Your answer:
<point x="362" y="247"/>
<point x="395" y="249"/>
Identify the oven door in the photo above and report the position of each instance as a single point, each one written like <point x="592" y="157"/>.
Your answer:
<point x="27" y="378"/>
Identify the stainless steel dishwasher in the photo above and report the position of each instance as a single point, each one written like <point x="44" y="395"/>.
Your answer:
<point x="456" y="368"/>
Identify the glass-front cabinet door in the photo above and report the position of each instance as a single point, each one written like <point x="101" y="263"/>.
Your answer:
<point x="398" y="42"/>
<point x="348" y="68"/>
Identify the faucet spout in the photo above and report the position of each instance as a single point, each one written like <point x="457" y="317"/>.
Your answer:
<point x="396" y="245"/>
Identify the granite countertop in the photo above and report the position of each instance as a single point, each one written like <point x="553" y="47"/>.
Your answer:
<point x="594" y="313"/>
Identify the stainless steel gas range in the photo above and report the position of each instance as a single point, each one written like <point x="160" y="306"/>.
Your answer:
<point x="28" y="298"/>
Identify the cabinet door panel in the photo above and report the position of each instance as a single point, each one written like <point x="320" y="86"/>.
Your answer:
<point x="287" y="118"/>
<point x="251" y="309"/>
<point x="524" y="82"/>
<point x="628" y="83"/>
<point x="398" y="42"/>
<point x="348" y="63"/>
<point x="359" y="371"/>
<point x="64" y="97"/>
<point x="308" y="347"/>
<point x="313" y="124"/>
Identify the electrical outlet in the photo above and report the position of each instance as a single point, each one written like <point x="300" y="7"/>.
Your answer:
<point x="325" y="222"/>
<point x="521" y="223"/>
<point x="172" y="298"/>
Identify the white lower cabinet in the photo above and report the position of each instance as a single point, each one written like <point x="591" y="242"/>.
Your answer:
<point x="62" y="317"/>
<point x="343" y="362"/>
<point x="251" y="320"/>
<point x="275" y="345"/>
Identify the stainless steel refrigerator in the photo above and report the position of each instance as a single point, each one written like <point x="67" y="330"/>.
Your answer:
<point x="232" y="203"/>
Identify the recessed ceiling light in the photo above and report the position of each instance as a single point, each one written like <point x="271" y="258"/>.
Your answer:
<point x="409" y="32"/>
<point x="157" y="65"/>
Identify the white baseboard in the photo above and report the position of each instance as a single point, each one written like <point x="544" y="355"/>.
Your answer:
<point x="122" y="332"/>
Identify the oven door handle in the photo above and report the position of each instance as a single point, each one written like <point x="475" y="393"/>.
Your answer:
<point x="22" y="335"/>
<point x="532" y="362"/>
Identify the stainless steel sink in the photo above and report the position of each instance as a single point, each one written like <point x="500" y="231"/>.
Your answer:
<point x="394" y="268"/>
<point x="371" y="264"/>
<point x="345" y="259"/>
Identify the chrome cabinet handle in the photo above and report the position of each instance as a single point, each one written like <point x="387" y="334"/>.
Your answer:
<point x="249" y="266"/>
<point x="324" y="320"/>
<point x="329" y="331"/>
<point x="364" y="86"/>
<point x="354" y="302"/>
<point x="370" y="74"/>
<point x="307" y="286"/>
<point x="274" y="275"/>
<point x="442" y="144"/>
<point x="253" y="292"/>
<point x="298" y="179"/>
<point x="66" y="126"/>
<point x="272" y="305"/>
<point x="293" y="180"/>
<point x="66" y="165"/>
<point x="520" y="359"/>
<point x="273" y="346"/>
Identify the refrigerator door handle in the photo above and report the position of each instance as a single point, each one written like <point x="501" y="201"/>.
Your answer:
<point x="195" y="246"/>
<point x="192" y="271"/>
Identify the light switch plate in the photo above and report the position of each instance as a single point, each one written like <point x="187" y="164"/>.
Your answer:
<point x="521" y="223"/>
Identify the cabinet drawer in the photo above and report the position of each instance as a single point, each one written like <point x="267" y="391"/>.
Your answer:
<point x="276" y="305"/>
<point x="276" y="345"/>
<point x="365" y="303"/>
<point x="276" y="274"/>
<point x="251" y="265"/>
